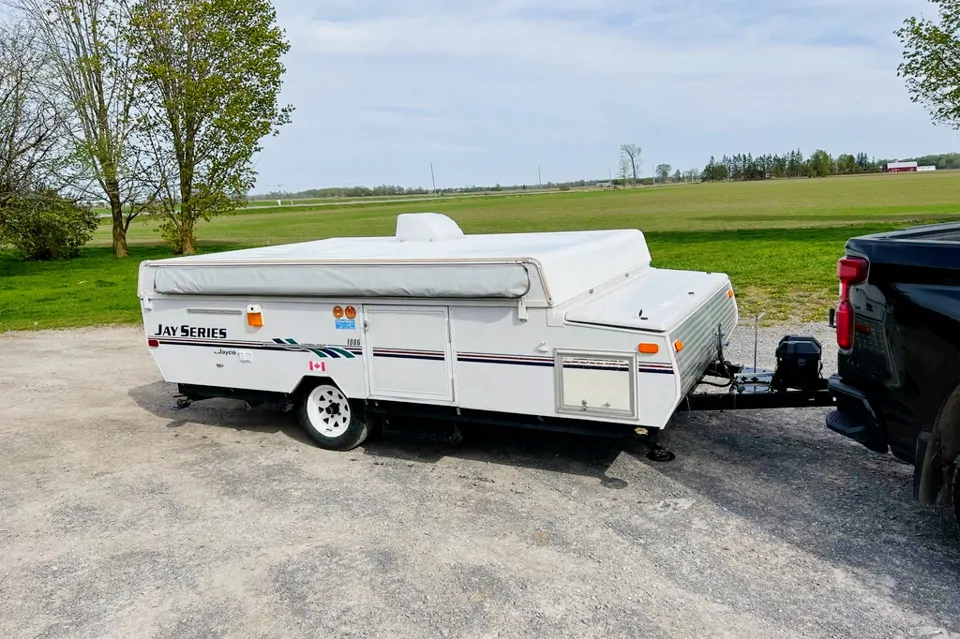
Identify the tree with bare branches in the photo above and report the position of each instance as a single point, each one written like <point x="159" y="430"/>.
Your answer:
<point x="624" y="170"/>
<point x="631" y="153"/>
<point x="32" y="122"/>
<point x="35" y="217"/>
<point x="97" y="75"/>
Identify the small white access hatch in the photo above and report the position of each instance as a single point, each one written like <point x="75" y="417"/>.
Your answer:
<point x="407" y="352"/>
<point x="592" y="383"/>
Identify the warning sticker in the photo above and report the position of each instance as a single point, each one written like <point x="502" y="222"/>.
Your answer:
<point x="346" y="324"/>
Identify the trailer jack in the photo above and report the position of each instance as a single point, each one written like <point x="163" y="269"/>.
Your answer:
<point x="659" y="454"/>
<point x="656" y="452"/>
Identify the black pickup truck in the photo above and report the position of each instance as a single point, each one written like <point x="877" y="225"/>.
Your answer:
<point x="898" y="330"/>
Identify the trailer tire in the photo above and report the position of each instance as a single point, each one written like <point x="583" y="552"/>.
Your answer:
<point x="331" y="419"/>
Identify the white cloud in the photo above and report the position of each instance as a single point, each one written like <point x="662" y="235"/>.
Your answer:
<point x="489" y="90"/>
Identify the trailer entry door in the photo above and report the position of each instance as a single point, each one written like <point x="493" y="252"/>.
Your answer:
<point x="407" y="352"/>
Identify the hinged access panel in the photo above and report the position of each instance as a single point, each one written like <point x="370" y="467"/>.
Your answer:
<point x="408" y="353"/>
<point x="596" y="383"/>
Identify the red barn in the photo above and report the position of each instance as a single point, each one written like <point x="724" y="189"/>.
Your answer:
<point x="900" y="167"/>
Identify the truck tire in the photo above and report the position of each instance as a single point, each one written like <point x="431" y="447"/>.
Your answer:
<point x="333" y="421"/>
<point x="955" y="492"/>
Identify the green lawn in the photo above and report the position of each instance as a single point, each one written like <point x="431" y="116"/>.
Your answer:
<point x="778" y="240"/>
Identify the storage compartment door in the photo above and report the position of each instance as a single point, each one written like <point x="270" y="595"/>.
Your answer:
<point x="408" y="354"/>
<point x="596" y="384"/>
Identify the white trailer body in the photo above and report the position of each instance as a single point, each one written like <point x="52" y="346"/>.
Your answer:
<point x="574" y="325"/>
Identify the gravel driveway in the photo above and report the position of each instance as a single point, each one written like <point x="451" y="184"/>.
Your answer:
<point x="121" y="517"/>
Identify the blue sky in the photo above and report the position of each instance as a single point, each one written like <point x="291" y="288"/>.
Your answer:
<point x="488" y="91"/>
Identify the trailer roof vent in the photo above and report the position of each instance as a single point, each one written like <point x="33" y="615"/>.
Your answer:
<point x="426" y="227"/>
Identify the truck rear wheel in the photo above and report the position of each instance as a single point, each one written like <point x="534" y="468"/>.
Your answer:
<point x="332" y="420"/>
<point x="955" y="492"/>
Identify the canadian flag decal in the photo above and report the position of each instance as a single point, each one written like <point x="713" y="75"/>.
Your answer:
<point x="318" y="366"/>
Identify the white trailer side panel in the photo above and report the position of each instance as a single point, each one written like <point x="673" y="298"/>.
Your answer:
<point x="206" y="341"/>
<point x="508" y="365"/>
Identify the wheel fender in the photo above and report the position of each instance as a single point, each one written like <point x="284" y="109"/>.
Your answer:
<point x="308" y="382"/>
<point x="935" y="387"/>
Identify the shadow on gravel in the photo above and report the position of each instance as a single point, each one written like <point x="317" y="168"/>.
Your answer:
<point x="159" y="398"/>
<point x="406" y="440"/>
<point x="825" y="495"/>
<point x="421" y="441"/>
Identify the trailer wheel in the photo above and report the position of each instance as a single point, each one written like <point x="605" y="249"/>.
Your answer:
<point x="332" y="420"/>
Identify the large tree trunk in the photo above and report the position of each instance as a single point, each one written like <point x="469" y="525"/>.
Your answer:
<point x="119" y="236"/>
<point x="119" y="232"/>
<point x="112" y="184"/>
<point x="188" y="240"/>
<point x="187" y="220"/>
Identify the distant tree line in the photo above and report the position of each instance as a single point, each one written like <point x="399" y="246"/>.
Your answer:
<point x="941" y="161"/>
<point x="793" y="164"/>
<point x="388" y="190"/>
<point x="343" y="191"/>
<point x="738" y="167"/>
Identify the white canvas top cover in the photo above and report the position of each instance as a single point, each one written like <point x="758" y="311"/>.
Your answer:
<point x="428" y="258"/>
<point x="655" y="301"/>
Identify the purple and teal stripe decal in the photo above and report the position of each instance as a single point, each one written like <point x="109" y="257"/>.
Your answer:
<point x="407" y="353"/>
<point x="290" y="345"/>
<point x="343" y="352"/>
<point x="500" y="358"/>
<point x="334" y="352"/>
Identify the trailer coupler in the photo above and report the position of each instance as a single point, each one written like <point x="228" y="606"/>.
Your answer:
<point x="796" y="382"/>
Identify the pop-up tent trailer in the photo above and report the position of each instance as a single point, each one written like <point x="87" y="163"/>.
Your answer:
<point x="572" y="330"/>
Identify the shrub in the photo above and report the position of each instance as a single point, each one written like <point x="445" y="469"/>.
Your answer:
<point x="43" y="225"/>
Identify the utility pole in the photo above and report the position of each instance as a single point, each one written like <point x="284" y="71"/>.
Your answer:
<point x="539" y="178"/>
<point x="432" y="179"/>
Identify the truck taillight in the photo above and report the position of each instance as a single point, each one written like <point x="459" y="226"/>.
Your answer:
<point x="851" y="271"/>
<point x="845" y="325"/>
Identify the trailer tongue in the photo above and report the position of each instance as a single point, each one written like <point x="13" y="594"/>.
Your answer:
<point x="572" y="330"/>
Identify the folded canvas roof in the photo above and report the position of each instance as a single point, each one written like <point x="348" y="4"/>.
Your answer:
<point x="428" y="257"/>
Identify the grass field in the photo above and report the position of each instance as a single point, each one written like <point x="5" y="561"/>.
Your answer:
<point x="778" y="240"/>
